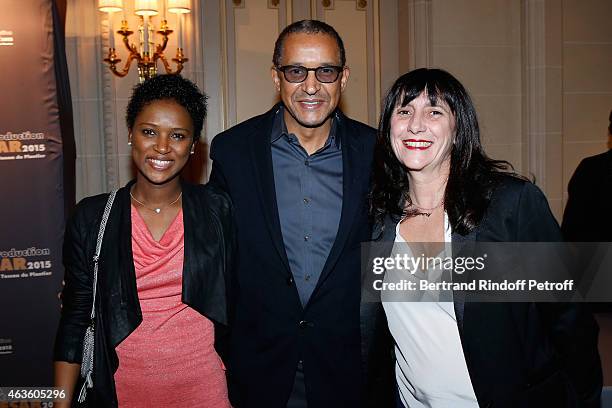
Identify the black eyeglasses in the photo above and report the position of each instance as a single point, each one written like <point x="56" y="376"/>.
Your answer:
<point x="297" y="73"/>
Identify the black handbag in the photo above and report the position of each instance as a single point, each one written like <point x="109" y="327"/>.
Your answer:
<point x="88" y="340"/>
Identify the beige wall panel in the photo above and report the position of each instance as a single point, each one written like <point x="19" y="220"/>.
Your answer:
<point x="499" y="117"/>
<point x="479" y="42"/>
<point x="587" y="67"/>
<point x="124" y="160"/>
<point x="389" y="45"/>
<point x="122" y="131"/>
<point x="554" y="166"/>
<point x="483" y="70"/>
<point x="403" y="32"/>
<point x="300" y="10"/>
<point x="351" y="25"/>
<point x="509" y="152"/>
<point x="482" y="22"/>
<point x="126" y="171"/>
<point x="210" y="38"/>
<point x="587" y="83"/>
<point x="553" y="108"/>
<point x="553" y="10"/>
<point x="574" y="152"/>
<point x="256" y="28"/>
<point x="556" y="207"/>
<point x="586" y="117"/>
<point x="124" y="152"/>
<point x="123" y="86"/>
<point x="554" y="99"/>
<point x="587" y="20"/>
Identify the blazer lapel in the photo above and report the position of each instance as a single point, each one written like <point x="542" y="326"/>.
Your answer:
<point x="351" y="193"/>
<point x="203" y="271"/>
<point x="458" y="244"/>
<point x="120" y="275"/>
<point x="264" y="178"/>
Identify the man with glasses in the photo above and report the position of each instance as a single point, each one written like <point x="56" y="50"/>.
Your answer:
<point x="298" y="176"/>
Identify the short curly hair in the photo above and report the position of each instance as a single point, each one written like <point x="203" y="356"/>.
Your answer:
<point x="307" y="27"/>
<point x="174" y="87"/>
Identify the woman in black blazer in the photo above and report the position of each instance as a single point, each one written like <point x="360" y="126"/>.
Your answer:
<point x="161" y="298"/>
<point x="433" y="183"/>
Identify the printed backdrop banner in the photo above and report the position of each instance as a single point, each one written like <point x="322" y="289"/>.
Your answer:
<point x="32" y="198"/>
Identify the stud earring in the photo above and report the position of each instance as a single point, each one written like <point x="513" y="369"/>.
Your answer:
<point x="129" y="142"/>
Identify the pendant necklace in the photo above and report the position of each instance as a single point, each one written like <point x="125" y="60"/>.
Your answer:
<point x="158" y="209"/>
<point x="425" y="211"/>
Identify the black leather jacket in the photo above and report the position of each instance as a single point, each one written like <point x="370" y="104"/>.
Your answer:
<point x="209" y="245"/>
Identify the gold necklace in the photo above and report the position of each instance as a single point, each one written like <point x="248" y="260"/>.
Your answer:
<point x="158" y="209"/>
<point x="425" y="211"/>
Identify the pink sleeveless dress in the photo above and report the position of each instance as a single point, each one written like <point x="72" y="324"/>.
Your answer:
<point x="169" y="360"/>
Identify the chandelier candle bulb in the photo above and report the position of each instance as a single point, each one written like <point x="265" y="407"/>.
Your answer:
<point x="110" y="6"/>
<point x="145" y="33"/>
<point x="111" y="31"/>
<point x="179" y="6"/>
<point x="145" y="7"/>
<point x="180" y="30"/>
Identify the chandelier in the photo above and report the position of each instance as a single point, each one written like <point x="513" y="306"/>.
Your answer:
<point x="145" y="51"/>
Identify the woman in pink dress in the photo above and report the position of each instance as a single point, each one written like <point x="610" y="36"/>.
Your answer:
<point x="160" y="300"/>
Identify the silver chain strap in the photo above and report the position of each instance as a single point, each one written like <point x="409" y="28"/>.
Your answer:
<point x="88" y="341"/>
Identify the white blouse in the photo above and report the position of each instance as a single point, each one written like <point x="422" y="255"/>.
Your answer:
<point x="430" y="365"/>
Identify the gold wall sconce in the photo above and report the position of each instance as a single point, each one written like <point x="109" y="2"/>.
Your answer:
<point x="146" y="52"/>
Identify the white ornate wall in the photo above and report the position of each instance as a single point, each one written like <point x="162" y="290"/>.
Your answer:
<point x="538" y="71"/>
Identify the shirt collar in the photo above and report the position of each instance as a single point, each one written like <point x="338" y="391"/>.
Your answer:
<point x="279" y="129"/>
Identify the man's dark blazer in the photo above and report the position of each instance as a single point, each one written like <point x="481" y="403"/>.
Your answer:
<point x="588" y="213"/>
<point x="523" y="354"/>
<point x="270" y="329"/>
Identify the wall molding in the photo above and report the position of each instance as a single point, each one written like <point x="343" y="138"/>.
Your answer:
<point x="230" y="65"/>
<point x="371" y="53"/>
<point x="281" y="8"/>
<point x="109" y="115"/>
<point x="534" y="89"/>
<point x="300" y="10"/>
<point x="417" y="36"/>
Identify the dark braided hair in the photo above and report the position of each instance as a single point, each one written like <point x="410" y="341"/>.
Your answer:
<point x="174" y="87"/>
